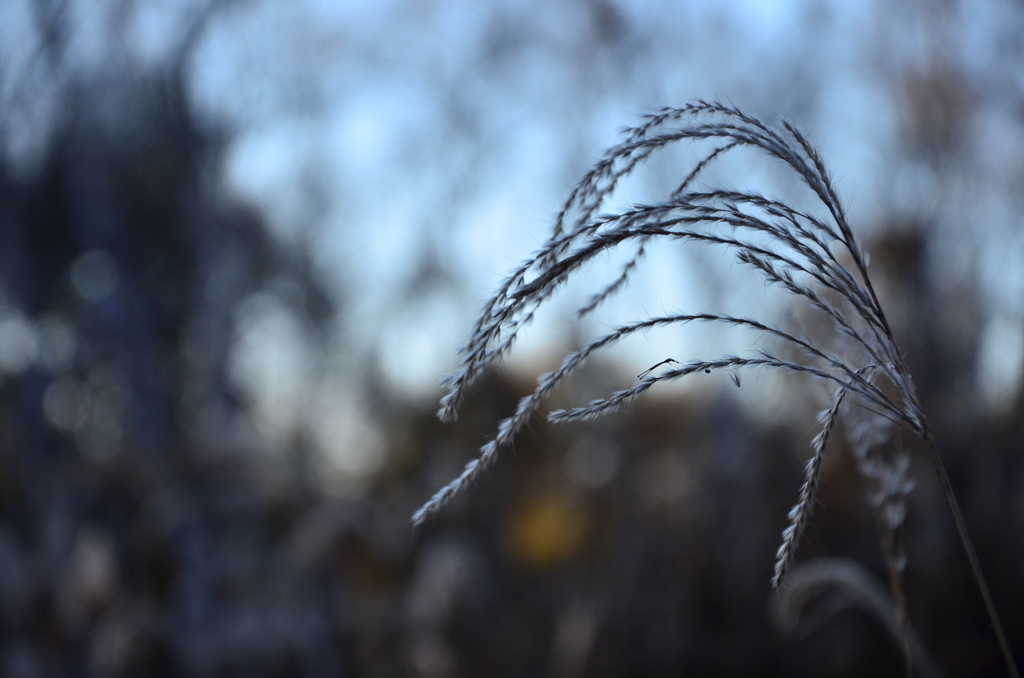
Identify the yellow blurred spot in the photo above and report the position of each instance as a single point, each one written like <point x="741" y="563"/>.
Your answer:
<point x="547" y="529"/>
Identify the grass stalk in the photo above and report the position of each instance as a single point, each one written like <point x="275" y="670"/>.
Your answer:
<point x="972" y="556"/>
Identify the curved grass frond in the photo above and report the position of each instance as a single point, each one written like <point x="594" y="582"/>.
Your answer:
<point x="800" y="515"/>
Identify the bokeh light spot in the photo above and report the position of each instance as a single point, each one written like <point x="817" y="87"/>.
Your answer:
<point x="94" y="275"/>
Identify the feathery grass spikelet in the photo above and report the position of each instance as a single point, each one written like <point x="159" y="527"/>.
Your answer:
<point x="801" y="513"/>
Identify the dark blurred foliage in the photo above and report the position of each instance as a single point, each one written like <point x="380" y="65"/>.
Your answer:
<point x="136" y="539"/>
<point x="132" y="542"/>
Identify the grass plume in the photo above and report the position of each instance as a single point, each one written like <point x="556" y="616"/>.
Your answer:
<point x="816" y="259"/>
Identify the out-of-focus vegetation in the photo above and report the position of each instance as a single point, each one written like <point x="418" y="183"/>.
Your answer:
<point x="184" y="493"/>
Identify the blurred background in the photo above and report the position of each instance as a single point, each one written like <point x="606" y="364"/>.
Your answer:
<point x="241" y="240"/>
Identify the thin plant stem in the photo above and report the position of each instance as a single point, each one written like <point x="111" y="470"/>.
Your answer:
<point x="961" y="527"/>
